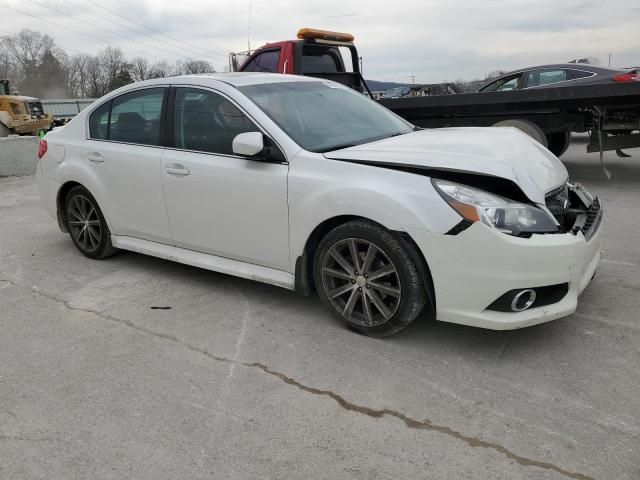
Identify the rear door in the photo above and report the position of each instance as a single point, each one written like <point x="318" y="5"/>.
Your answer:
<point x="218" y="202"/>
<point x="123" y="156"/>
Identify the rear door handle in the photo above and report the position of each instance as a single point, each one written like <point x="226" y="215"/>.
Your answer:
<point x="95" y="157"/>
<point x="178" y="170"/>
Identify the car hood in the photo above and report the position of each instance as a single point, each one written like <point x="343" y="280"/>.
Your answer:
<point x="503" y="152"/>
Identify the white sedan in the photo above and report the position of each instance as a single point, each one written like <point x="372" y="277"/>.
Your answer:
<point x="308" y="185"/>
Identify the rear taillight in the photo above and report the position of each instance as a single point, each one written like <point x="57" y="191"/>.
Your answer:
<point x="627" y="77"/>
<point x="42" y="149"/>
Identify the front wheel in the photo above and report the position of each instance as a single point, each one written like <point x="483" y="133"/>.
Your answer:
<point x="86" y="224"/>
<point x="367" y="278"/>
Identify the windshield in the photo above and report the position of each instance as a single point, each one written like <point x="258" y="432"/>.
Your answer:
<point x="325" y="116"/>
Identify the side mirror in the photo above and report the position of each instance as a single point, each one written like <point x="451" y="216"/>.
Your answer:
<point x="248" y="144"/>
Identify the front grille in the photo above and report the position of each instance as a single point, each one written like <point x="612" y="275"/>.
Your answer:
<point x="35" y="108"/>
<point x="557" y="202"/>
<point x="594" y="218"/>
<point x="569" y="210"/>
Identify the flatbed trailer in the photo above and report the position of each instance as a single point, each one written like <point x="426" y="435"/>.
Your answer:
<point x="610" y="113"/>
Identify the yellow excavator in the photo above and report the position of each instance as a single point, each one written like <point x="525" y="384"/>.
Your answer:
<point x="20" y="115"/>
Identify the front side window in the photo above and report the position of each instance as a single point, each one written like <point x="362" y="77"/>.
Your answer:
<point x="207" y="122"/>
<point x="503" y="85"/>
<point x="264" y="62"/>
<point x="538" y="78"/>
<point x="324" y="116"/>
<point x="131" y="118"/>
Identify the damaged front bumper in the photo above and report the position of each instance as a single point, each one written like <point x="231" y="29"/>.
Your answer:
<point x="474" y="268"/>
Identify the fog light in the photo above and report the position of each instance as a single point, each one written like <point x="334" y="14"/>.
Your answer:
<point x="523" y="300"/>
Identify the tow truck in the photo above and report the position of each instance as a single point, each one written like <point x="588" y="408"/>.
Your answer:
<point x="609" y="113"/>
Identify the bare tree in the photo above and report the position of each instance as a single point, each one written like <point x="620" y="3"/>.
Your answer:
<point x="139" y="69"/>
<point x="161" y="69"/>
<point x="77" y="67"/>
<point x="197" y="66"/>
<point x="112" y="62"/>
<point x="96" y="85"/>
<point x="28" y="46"/>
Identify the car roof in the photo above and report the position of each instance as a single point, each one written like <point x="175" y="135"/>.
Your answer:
<point x="573" y="66"/>
<point x="236" y="79"/>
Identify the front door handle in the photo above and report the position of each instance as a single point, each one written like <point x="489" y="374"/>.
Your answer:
<point x="95" y="157"/>
<point x="178" y="170"/>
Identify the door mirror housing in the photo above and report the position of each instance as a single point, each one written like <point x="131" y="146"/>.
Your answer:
<point x="248" y="144"/>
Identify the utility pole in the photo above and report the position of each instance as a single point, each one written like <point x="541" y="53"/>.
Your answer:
<point x="413" y="79"/>
<point x="610" y="53"/>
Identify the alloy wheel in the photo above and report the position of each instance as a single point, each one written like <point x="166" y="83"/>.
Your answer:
<point x="84" y="223"/>
<point x="361" y="282"/>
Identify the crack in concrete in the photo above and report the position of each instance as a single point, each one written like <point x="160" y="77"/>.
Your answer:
<point x="410" y="422"/>
<point x="19" y="438"/>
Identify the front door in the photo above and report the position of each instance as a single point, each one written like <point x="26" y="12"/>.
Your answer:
<point x="218" y="202"/>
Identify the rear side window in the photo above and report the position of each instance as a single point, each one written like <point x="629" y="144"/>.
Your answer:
<point x="264" y="62"/>
<point x="538" y="78"/>
<point x="207" y="122"/>
<point x="131" y="118"/>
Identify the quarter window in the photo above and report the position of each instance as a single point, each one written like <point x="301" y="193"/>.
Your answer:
<point x="580" y="74"/>
<point x="321" y="59"/>
<point x="99" y="122"/>
<point x="207" y="122"/>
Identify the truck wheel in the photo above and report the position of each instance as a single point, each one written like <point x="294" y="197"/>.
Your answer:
<point x="4" y="131"/>
<point x="365" y="276"/>
<point x="558" y="142"/>
<point x="530" y="128"/>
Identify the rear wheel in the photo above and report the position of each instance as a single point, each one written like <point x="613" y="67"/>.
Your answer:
<point x="525" y="126"/>
<point x="558" y="142"/>
<point x="86" y="224"/>
<point x="365" y="276"/>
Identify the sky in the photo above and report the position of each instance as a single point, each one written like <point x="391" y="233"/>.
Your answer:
<point x="430" y="40"/>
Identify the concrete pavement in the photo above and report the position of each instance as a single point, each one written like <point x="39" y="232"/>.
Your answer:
<point x="134" y="367"/>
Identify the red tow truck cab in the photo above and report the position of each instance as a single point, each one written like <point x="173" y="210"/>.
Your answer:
<point x="315" y="53"/>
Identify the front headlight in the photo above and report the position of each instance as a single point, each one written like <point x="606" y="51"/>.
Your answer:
<point x="508" y="216"/>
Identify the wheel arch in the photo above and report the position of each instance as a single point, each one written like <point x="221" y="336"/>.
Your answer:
<point x="60" y="199"/>
<point x="304" y="282"/>
<point x="63" y="191"/>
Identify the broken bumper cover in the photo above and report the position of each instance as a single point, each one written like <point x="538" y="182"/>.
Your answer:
<point x="472" y="269"/>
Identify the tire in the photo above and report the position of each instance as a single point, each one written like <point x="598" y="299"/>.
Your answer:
<point x="86" y="224"/>
<point x="558" y="142"/>
<point x="530" y="128"/>
<point x="4" y="130"/>
<point x="377" y="307"/>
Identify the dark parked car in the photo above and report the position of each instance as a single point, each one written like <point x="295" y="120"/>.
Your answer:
<point x="559" y="75"/>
